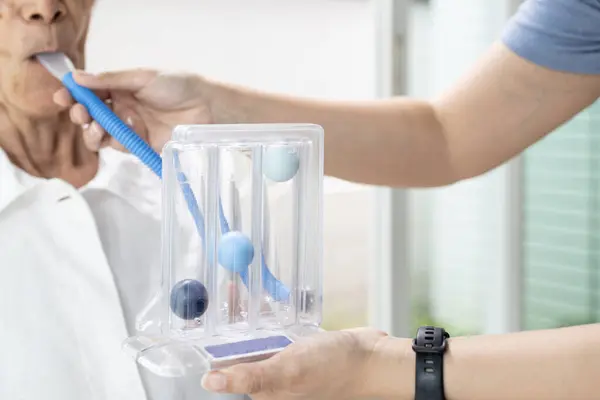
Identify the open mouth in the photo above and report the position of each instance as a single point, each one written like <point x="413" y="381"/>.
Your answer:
<point x="33" y="56"/>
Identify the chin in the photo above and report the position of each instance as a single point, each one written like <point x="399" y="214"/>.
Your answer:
<point x="35" y="96"/>
<point x="38" y="105"/>
<point x="47" y="109"/>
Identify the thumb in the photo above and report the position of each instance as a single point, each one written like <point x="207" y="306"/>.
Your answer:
<point x="250" y="378"/>
<point x="130" y="80"/>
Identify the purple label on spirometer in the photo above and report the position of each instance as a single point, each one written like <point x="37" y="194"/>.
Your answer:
<point x="248" y="346"/>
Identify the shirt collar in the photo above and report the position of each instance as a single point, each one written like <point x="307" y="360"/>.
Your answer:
<point x="118" y="172"/>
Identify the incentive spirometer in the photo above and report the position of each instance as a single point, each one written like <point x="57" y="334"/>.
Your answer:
<point x="241" y="267"/>
<point x="241" y="238"/>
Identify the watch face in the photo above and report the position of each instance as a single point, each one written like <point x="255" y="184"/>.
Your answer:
<point x="430" y="340"/>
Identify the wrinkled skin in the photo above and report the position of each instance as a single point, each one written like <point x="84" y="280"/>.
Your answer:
<point x="330" y="365"/>
<point x="35" y="132"/>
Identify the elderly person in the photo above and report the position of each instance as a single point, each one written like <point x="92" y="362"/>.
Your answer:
<point x="79" y="230"/>
<point x="544" y="71"/>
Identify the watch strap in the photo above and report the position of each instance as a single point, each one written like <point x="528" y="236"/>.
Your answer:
<point x="429" y="346"/>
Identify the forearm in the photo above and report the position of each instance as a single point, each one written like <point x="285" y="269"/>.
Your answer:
<point x="546" y="365"/>
<point x="395" y="142"/>
<point x="498" y="109"/>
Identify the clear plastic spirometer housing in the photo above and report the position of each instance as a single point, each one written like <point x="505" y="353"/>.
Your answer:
<point x="242" y="247"/>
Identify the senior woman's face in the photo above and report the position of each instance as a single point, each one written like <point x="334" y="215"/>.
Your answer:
<point x="28" y="27"/>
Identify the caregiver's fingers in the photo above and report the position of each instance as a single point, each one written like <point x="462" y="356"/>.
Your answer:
<point x="63" y="98"/>
<point x="250" y="378"/>
<point x="79" y="115"/>
<point x="94" y="136"/>
<point x="130" y="80"/>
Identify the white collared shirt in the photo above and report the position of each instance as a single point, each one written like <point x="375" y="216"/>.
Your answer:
<point x="76" y="268"/>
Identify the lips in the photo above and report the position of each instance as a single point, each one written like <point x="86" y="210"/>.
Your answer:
<point x="31" y="54"/>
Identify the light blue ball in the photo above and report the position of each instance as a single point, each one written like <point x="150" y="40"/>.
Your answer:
<point x="280" y="163"/>
<point x="235" y="252"/>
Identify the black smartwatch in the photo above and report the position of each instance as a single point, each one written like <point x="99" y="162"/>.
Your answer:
<point x="429" y="346"/>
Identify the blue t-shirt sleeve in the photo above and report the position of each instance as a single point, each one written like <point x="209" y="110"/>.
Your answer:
<point x="562" y="35"/>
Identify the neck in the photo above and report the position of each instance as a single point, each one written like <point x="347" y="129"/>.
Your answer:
<point x="47" y="147"/>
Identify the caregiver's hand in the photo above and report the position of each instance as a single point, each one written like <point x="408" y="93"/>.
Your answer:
<point x="331" y="365"/>
<point x="151" y="102"/>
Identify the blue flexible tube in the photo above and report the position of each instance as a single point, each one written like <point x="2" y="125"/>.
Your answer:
<point x="114" y="126"/>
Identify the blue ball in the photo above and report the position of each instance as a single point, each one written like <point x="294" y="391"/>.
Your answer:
<point x="235" y="252"/>
<point x="280" y="163"/>
<point x="189" y="299"/>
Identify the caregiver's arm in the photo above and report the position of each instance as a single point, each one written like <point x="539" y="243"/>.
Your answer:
<point x="543" y="72"/>
<point x="504" y="105"/>
<point x="546" y="365"/>
<point x="513" y="96"/>
<point x="363" y="363"/>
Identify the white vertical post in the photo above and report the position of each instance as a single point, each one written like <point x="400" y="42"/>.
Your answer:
<point x="514" y="274"/>
<point x="515" y="296"/>
<point x="504" y="308"/>
<point x="389" y="305"/>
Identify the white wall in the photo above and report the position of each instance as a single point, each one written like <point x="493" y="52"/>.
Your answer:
<point x="310" y="47"/>
<point x="316" y="48"/>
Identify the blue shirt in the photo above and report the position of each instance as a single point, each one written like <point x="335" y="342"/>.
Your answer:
<point x="562" y="35"/>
